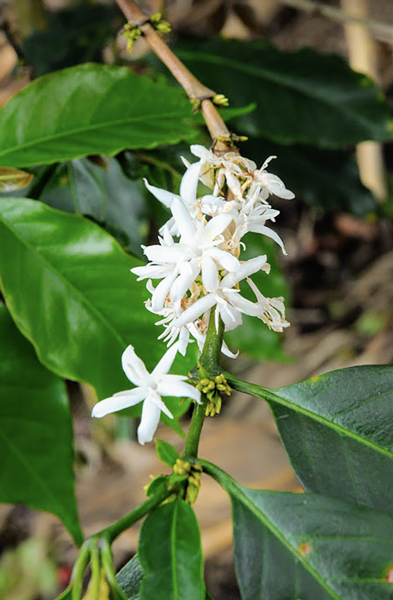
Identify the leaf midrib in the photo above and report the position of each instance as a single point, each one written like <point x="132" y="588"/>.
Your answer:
<point x="268" y="395"/>
<point x="93" y="127"/>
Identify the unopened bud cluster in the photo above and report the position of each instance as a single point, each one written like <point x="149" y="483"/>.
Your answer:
<point x="194" y="472"/>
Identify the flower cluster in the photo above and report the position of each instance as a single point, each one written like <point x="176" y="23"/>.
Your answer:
<point x="196" y="267"/>
<point x="197" y="261"/>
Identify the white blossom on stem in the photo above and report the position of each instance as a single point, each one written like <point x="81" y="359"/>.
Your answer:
<point x="149" y="389"/>
<point x="180" y="263"/>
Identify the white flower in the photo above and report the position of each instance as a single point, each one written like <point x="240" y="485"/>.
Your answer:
<point x="228" y="301"/>
<point x="150" y="388"/>
<point x="269" y="183"/>
<point x="179" y="264"/>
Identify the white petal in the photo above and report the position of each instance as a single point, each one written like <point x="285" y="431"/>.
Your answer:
<point x="164" y="254"/>
<point x="217" y="225"/>
<point x="200" y="151"/>
<point x="149" y="421"/>
<point x="268" y="232"/>
<point x="188" y="273"/>
<point x="244" y="305"/>
<point x="156" y="398"/>
<point x="183" y="220"/>
<point x="230" y="316"/>
<point x="161" y="292"/>
<point x="118" y="402"/>
<point x="134" y="367"/>
<point x="253" y="265"/>
<point x="161" y="195"/>
<point x="184" y="340"/>
<point x="209" y="274"/>
<point x="195" y="310"/>
<point x="165" y="363"/>
<point x="189" y="183"/>
<point x="180" y="389"/>
<point x="226" y="260"/>
<point x="225" y="350"/>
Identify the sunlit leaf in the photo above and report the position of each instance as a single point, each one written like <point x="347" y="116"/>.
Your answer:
<point x="90" y="109"/>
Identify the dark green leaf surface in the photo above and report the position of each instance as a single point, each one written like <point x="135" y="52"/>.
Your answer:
<point x="166" y="453"/>
<point x="70" y="291"/>
<point x="302" y="97"/>
<point x="35" y="431"/>
<point x="254" y="338"/>
<point x="105" y="195"/>
<point x="90" y="109"/>
<point x="307" y="546"/>
<point x="83" y="29"/>
<point x="337" y="429"/>
<point x="129" y="578"/>
<point x="170" y="554"/>
<point x="326" y="179"/>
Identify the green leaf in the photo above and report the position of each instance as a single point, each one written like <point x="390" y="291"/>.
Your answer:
<point x="35" y="432"/>
<point x="307" y="546"/>
<point x="105" y="195"/>
<point x="129" y="578"/>
<point x="326" y="179"/>
<point x="103" y="110"/>
<point x="166" y="453"/>
<point x="68" y="287"/>
<point x="254" y="338"/>
<point x="337" y="429"/>
<point x="302" y="97"/>
<point x="170" y="554"/>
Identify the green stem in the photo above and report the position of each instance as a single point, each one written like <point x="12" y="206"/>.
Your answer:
<point x="77" y="573"/>
<point x="113" y="531"/>
<point x="210" y="360"/>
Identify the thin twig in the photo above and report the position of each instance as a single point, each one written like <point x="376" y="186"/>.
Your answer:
<point x="192" y="86"/>
<point x="382" y="31"/>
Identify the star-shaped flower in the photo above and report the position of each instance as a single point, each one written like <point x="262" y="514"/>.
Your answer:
<point x="149" y="389"/>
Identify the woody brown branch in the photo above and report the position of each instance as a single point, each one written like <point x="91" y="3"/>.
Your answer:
<point x="192" y="86"/>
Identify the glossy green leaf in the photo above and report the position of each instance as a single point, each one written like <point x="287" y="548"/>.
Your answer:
<point x="254" y="338"/>
<point x="302" y="97"/>
<point x="130" y="577"/>
<point x="170" y="554"/>
<point x="325" y="179"/>
<point x="70" y="291"/>
<point x="337" y="429"/>
<point x="104" y="194"/>
<point x="90" y="109"/>
<point x="166" y="453"/>
<point x="307" y="546"/>
<point x="35" y="431"/>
